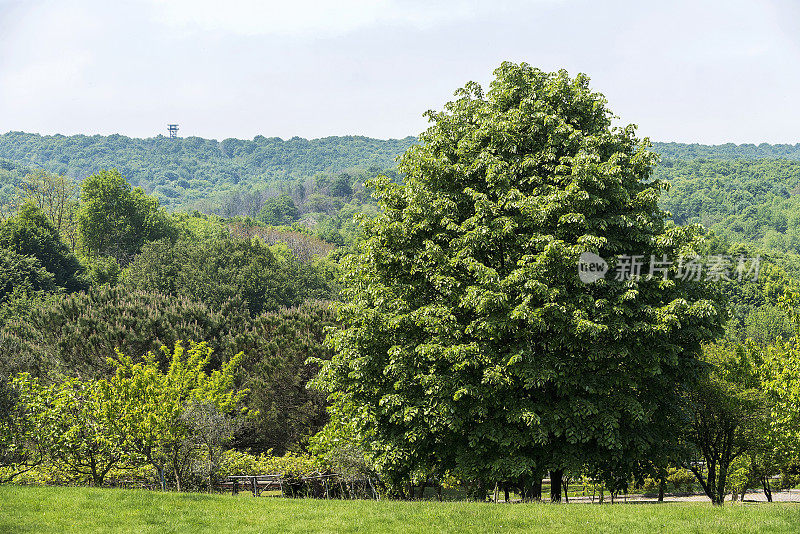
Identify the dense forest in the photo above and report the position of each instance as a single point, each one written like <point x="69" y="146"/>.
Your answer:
<point x="745" y="193"/>
<point x="187" y="172"/>
<point x="402" y="311"/>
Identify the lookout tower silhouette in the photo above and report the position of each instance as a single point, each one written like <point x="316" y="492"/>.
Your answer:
<point x="173" y="130"/>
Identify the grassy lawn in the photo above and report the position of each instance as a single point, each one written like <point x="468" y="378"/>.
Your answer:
<point x="54" y="509"/>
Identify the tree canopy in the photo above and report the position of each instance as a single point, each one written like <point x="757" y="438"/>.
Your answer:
<point x="216" y="270"/>
<point x="116" y="220"/>
<point x="469" y="344"/>
<point x="30" y="233"/>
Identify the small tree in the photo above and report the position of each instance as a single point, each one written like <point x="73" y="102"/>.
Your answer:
<point x="22" y="446"/>
<point x="279" y="210"/>
<point x="78" y="422"/>
<point x="782" y="384"/>
<point x="210" y="431"/>
<point x="56" y="195"/>
<point x="30" y="233"/>
<point x="727" y="410"/>
<point x="152" y="404"/>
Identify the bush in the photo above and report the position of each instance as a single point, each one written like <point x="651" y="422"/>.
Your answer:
<point x="235" y="462"/>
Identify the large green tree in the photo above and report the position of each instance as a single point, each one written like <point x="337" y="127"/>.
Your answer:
<point x="30" y="233"/>
<point x="116" y="220"/>
<point x="470" y="345"/>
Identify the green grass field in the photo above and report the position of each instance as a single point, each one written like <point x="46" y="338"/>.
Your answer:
<point x="56" y="509"/>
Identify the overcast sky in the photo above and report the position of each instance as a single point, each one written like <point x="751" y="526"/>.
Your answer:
<point x="689" y="71"/>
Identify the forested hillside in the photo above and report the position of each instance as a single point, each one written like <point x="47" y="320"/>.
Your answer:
<point x="743" y="192"/>
<point x="184" y="171"/>
<point x="727" y="151"/>
<point x="754" y="201"/>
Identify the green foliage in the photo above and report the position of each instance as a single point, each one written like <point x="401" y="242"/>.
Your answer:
<point x="30" y="233"/>
<point x="56" y="196"/>
<point x="684" y="151"/>
<point x="11" y="176"/>
<point x="729" y="415"/>
<point x="186" y="171"/>
<point x="22" y="273"/>
<point x="279" y="210"/>
<point x="115" y="220"/>
<point x="751" y="201"/>
<point x="235" y="462"/>
<point x="200" y="225"/>
<point x="782" y="385"/>
<point x="102" y="270"/>
<point x="217" y="270"/>
<point x="74" y="334"/>
<point x="147" y="405"/>
<point x="21" y="443"/>
<point x="305" y="247"/>
<point x="754" y="306"/>
<point x="469" y="343"/>
<point x="143" y="414"/>
<point x="76" y="425"/>
<point x="743" y="191"/>
<point x="277" y="372"/>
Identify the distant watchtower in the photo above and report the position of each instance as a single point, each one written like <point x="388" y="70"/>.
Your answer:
<point x="173" y="130"/>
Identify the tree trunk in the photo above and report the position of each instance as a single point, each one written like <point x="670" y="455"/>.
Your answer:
<point x="556" y="477"/>
<point x="97" y="480"/>
<point x="422" y="489"/>
<point x="481" y="496"/>
<point x="661" y="484"/>
<point x="767" y="488"/>
<point x="161" y="478"/>
<point x="505" y="492"/>
<point x="210" y="469"/>
<point x="723" y="478"/>
<point x="176" y="471"/>
<point x="536" y="490"/>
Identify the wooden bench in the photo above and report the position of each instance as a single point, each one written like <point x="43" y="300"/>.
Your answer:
<point x="255" y="483"/>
